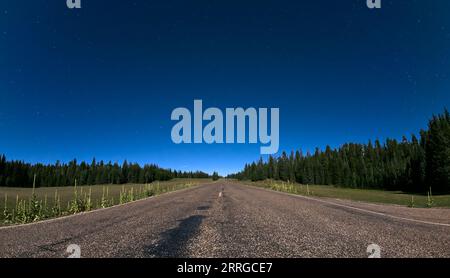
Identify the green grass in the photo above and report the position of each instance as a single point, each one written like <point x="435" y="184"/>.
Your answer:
<point x="48" y="199"/>
<point x="365" y="195"/>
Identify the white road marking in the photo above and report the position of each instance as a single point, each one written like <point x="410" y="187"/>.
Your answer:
<point x="359" y="209"/>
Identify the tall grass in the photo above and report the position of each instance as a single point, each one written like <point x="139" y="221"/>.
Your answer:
<point x="289" y="187"/>
<point x="32" y="209"/>
<point x="430" y="200"/>
<point x="426" y="200"/>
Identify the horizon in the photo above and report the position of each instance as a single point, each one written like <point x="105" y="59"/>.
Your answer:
<point x="264" y="157"/>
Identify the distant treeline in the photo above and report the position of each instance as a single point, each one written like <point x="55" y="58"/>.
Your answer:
<point x="412" y="165"/>
<point x="21" y="174"/>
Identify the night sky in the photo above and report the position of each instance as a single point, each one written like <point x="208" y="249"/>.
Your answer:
<point x="102" y="81"/>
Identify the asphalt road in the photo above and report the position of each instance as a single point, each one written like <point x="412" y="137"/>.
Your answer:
<point x="240" y="222"/>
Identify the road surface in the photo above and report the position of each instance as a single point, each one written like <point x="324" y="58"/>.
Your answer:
<point x="240" y="222"/>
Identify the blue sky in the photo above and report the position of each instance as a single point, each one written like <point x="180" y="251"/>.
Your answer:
<point x="102" y="81"/>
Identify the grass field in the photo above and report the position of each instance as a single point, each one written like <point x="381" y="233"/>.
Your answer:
<point x="365" y="195"/>
<point x="98" y="195"/>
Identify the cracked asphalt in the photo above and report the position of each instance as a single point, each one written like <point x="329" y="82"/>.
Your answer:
<point x="241" y="222"/>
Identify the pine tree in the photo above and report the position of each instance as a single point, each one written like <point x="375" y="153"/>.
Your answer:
<point x="437" y="149"/>
<point x="215" y="176"/>
<point x="283" y="165"/>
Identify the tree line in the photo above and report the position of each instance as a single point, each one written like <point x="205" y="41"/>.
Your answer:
<point x="411" y="165"/>
<point x="21" y="174"/>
